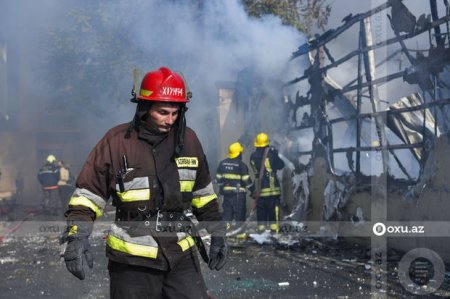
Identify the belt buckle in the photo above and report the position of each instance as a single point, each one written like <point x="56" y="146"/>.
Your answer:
<point x="158" y="224"/>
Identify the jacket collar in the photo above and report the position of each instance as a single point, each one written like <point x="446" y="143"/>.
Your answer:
<point x="153" y="138"/>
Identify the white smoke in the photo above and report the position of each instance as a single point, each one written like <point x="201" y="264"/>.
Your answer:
<point x="209" y="41"/>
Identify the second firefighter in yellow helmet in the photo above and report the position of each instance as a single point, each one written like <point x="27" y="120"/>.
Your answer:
<point x="265" y="163"/>
<point x="234" y="150"/>
<point x="234" y="180"/>
<point x="261" y="140"/>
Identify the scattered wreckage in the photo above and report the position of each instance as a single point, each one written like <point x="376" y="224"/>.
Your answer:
<point x="351" y="162"/>
<point x="348" y="183"/>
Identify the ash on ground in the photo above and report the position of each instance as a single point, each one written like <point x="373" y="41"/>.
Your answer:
<point x="310" y="268"/>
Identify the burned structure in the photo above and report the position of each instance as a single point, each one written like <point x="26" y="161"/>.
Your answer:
<point x="369" y="139"/>
<point x="367" y="162"/>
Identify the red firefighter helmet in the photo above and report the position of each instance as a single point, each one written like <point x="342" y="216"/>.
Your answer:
<point x="163" y="85"/>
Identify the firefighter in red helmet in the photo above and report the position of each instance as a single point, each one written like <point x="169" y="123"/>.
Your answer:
<point x="156" y="172"/>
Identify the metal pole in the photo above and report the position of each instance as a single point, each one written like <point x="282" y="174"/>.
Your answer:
<point x="434" y="107"/>
<point x="369" y="64"/>
<point x="358" y="105"/>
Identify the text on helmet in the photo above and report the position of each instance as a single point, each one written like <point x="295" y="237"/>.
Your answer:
<point x="172" y="91"/>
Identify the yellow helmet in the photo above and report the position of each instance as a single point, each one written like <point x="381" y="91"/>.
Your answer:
<point x="51" y="158"/>
<point x="261" y="140"/>
<point x="234" y="150"/>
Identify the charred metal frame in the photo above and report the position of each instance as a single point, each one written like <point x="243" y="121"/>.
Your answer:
<point x="322" y="127"/>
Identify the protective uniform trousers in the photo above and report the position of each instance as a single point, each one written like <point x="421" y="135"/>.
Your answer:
<point x="132" y="282"/>
<point x="267" y="210"/>
<point x="51" y="202"/>
<point x="234" y="207"/>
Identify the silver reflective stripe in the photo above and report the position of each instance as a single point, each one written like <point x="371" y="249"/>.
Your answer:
<point x="181" y="236"/>
<point x="187" y="174"/>
<point x="136" y="183"/>
<point x="227" y="188"/>
<point x="208" y="190"/>
<point x="122" y="234"/>
<point x="97" y="200"/>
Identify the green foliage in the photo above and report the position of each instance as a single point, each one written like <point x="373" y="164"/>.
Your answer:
<point x="301" y="14"/>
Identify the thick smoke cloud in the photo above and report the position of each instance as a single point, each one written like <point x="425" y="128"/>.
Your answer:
<point x="76" y="58"/>
<point x="215" y="43"/>
<point x="209" y="42"/>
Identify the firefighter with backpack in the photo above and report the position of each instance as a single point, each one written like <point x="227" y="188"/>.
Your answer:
<point x="265" y="163"/>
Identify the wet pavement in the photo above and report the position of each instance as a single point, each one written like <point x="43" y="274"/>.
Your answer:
<point x="313" y="268"/>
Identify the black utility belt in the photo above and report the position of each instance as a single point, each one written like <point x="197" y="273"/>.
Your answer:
<point x="167" y="222"/>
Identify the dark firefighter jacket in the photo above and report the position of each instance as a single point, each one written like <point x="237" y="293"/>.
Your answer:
<point x="269" y="184"/>
<point x="152" y="180"/>
<point x="232" y="176"/>
<point x="48" y="176"/>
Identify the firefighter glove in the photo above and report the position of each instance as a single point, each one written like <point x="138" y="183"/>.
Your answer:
<point x="218" y="253"/>
<point x="78" y="249"/>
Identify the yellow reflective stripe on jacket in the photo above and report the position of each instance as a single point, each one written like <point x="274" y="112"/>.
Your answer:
<point x="132" y="249"/>
<point x="267" y="165"/>
<point x="229" y="188"/>
<point x="186" y="243"/>
<point x="232" y="176"/>
<point x="199" y="202"/>
<point x="84" y="197"/>
<point x="186" y="186"/>
<point x="270" y="191"/>
<point x="203" y="196"/>
<point x="272" y="182"/>
<point x="85" y="202"/>
<point x="134" y="195"/>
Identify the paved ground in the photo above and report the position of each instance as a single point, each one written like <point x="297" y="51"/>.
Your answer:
<point x="31" y="268"/>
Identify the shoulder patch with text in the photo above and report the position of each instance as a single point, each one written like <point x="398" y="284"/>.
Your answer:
<point x="187" y="162"/>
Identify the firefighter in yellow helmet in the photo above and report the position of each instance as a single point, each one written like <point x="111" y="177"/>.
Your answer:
<point x="156" y="172"/>
<point x="48" y="177"/>
<point x="234" y="180"/>
<point x="51" y="159"/>
<point x="265" y="163"/>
